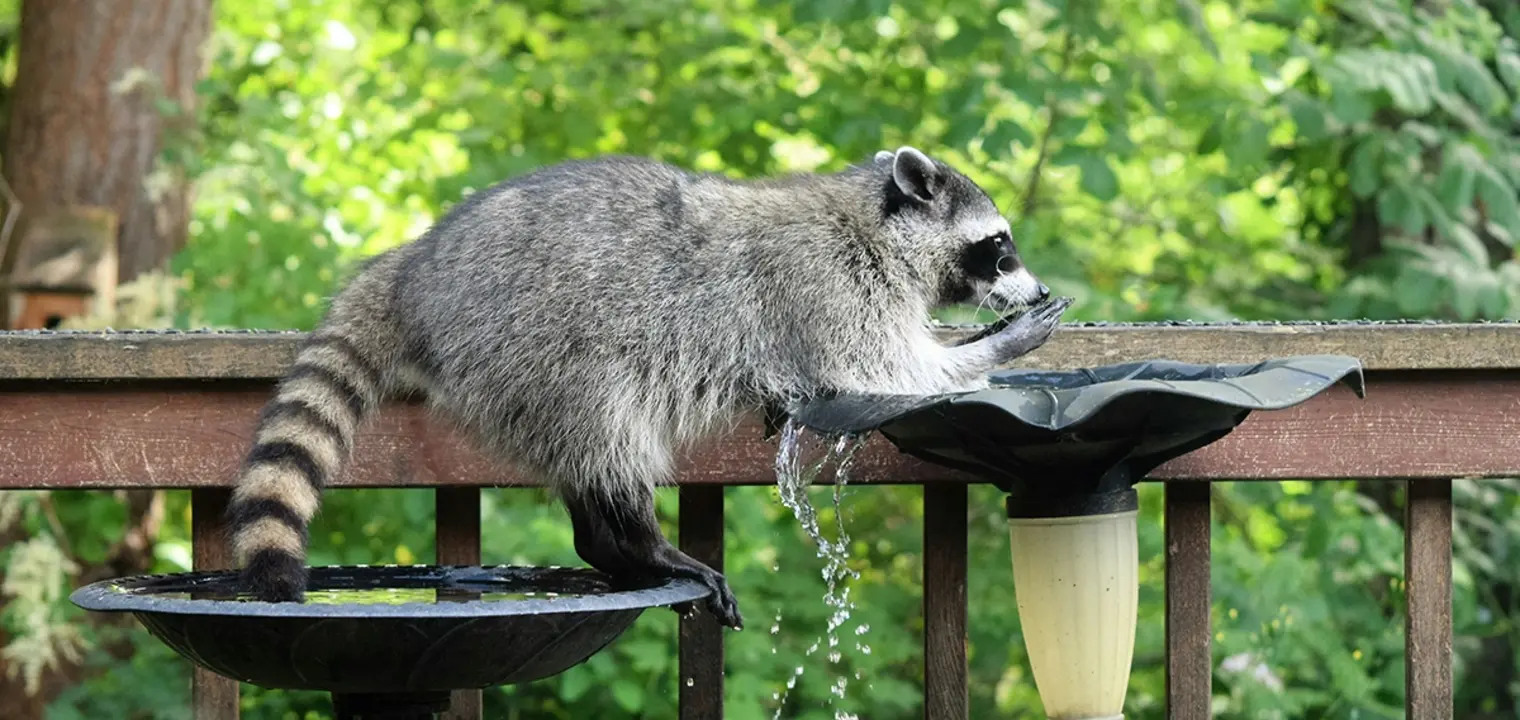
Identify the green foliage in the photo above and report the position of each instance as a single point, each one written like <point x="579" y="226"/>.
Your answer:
<point x="1200" y="160"/>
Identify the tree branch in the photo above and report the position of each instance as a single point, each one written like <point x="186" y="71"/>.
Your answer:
<point x="1053" y="112"/>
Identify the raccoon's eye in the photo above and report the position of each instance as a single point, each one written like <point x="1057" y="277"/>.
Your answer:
<point x="1002" y="241"/>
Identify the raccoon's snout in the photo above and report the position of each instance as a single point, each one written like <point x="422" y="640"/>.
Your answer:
<point x="1018" y="288"/>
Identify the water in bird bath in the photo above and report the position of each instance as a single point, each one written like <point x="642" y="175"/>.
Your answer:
<point x="794" y="477"/>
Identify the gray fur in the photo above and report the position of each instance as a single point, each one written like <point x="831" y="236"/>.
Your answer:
<point x="588" y="321"/>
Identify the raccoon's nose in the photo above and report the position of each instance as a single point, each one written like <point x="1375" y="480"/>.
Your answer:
<point x="1044" y="292"/>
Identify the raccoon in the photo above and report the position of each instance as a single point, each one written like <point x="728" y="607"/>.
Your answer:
<point x="588" y="321"/>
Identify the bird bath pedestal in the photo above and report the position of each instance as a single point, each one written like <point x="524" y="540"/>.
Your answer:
<point x="389" y="642"/>
<point x="1068" y="447"/>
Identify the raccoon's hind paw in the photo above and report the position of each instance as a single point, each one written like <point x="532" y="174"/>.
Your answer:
<point x="721" y="603"/>
<point x="274" y="576"/>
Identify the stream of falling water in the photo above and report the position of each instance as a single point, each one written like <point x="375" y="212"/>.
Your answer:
<point x="793" y="479"/>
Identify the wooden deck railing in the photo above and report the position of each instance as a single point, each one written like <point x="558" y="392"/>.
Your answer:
<point x="148" y="410"/>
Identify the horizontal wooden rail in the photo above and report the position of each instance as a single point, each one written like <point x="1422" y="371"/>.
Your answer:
<point x="264" y="355"/>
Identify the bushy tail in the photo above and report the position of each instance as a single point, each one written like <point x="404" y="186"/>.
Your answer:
<point x="303" y="440"/>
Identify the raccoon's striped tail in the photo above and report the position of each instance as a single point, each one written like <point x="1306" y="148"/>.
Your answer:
<point x="303" y="440"/>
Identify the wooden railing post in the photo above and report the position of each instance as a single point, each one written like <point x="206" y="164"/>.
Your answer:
<point x="457" y="533"/>
<point x="701" y="638"/>
<point x="1189" y="641"/>
<point x="945" y="696"/>
<point x="1427" y="583"/>
<point x="212" y="696"/>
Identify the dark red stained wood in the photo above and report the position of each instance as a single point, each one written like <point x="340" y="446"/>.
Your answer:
<point x="1189" y="665"/>
<point x="457" y="532"/>
<point x="1427" y="577"/>
<point x="945" y="689"/>
<point x="1412" y="425"/>
<point x="212" y="696"/>
<point x="701" y="666"/>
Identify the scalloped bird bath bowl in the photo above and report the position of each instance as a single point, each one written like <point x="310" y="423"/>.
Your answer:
<point x="389" y="641"/>
<point x="1068" y="447"/>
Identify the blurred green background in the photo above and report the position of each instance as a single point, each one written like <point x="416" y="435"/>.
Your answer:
<point x="1263" y="159"/>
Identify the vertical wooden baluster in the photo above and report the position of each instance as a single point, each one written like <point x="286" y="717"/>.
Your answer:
<point x="945" y="695"/>
<point x="212" y="696"/>
<point x="457" y="532"/>
<point x="1427" y="578"/>
<point x="701" y="651"/>
<point x="1189" y="628"/>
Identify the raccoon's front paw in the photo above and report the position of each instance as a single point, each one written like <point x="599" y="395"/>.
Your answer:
<point x="1029" y="331"/>
<point x="273" y="576"/>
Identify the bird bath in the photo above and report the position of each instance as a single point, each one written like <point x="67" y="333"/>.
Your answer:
<point x="1068" y="447"/>
<point x="389" y="641"/>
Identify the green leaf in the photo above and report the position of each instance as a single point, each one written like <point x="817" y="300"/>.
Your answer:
<point x="1509" y="69"/>
<point x="1399" y="205"/>
<point x="1464" y="300"/>
<point x="1365" y="166"/>
<point x="1249" y="142"/>
<point x="1068" y="128"/>
<point x="1499" y="201"/>
<point x="1419" y="290"/>
<point x="1068" y="155"/>
<point x="1211" y="139"/>
<point x="1471" y="77"/>
<point x="1455" y="185"/>
<point x="963" y="129"/>
<point x="575" y="682"/>
<point x="1308" y="117"/>
<point x="1492" y="300"/>
<point x="1006" y="136"/>
<point x="628" y="694"/>
<point x="1098" y="179"/>
<point x="1406" y="87"/>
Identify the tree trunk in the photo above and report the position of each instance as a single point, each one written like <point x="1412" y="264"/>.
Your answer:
<point x="86" y="128"/>
<point x="85" y="125"/>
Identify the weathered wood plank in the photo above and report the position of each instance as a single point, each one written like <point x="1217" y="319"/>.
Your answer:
<point x="1411" y="425"/>
<point x="457" y="535"/>
<point x="264" y="355"/>
<point x="212" y="697"/>
<point x="1189" y="665"/>
<point x="945" y="670"/>
<point x="1427" y="578"/>
<point x="701" y="645"/>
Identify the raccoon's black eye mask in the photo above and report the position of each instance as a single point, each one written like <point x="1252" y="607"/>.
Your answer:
<point x="985" y="259"/>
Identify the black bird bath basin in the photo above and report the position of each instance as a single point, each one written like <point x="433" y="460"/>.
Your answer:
<point x="389" y="641"/>
<point x="1068" y="447"/>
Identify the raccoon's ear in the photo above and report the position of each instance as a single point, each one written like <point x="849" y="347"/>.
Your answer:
<point x="883" y="155"/>
<point x="915" y="174"/>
